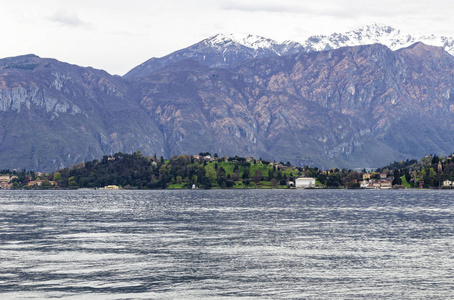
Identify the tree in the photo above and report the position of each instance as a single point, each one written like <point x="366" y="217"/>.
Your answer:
<point x="246" y="182"/>
<point x="322" y="178"/>
<point x="182" y="160"/>
<point x="257" y="176"/>
<point x="333" y="180"/>
<point x="72" y="183"/>
<point x="407" y="175"/>
<point x="397" y="180"/>
<point x="229" y="183"/>
<point x="435" y="160"/>
<point x="235" y="176"/>
<point x="46" y="184"/>
<point x="246" y="173"/>
<point x="221" y="171"/>
<point x="57" y="176"/>
<point x="211" y="174"/>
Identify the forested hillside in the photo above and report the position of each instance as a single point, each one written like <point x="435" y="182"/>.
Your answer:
<point x="183" y="171"/>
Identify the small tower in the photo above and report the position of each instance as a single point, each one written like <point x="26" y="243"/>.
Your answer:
<point x="439" y="168"/>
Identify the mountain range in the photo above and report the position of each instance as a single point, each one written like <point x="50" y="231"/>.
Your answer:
<point x="359" y="99"/>
<point x="226" y="50"/>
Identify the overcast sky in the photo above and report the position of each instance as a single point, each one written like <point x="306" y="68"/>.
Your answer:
<point x="117" y="35"/>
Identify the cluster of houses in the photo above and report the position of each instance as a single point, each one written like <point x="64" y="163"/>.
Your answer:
<point x="204" y="158"/>
<point x="370" y="181"/>
<point x="384" y="183"/>
<point x="40" y="182"/>
<point x="6" y="182"/>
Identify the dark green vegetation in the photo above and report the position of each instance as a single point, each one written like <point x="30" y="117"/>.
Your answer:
<point x="136" y="171"/>
<point x="184" y="171"/>
<point x="430" y="172"/>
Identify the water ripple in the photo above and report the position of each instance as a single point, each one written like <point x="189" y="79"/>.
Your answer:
<point x="253" y="244"/>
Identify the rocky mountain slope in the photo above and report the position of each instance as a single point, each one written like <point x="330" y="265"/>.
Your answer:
<point x="353" y="107"/>
<point x="54" y="114"/>
<point x="227" y="50"/>
<point x="220" y="51"/>
<point x="357" y="106"/>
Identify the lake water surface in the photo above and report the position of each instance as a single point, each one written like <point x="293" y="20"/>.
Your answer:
<point x="227" y="244"/>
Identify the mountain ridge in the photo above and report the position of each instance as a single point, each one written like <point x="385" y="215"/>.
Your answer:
<point x="376" y="33"/>
<point x="360" y="106"/>
<point x="226" y="50"/>
<point x="53" y="113"/>
<point x="273" y="88"/>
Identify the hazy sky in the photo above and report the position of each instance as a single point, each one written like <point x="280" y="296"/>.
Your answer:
<point x="117" y="35"/>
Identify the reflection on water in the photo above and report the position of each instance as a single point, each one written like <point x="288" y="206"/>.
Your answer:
<point x="254" y="244"/>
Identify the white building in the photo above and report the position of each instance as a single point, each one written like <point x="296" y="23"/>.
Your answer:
<point x="5" y="178"/>
<point x="364" y="184"/>
<point x="305" y="182"/>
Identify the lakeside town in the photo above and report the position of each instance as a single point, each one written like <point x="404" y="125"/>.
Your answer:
<point x="136" y="171"/>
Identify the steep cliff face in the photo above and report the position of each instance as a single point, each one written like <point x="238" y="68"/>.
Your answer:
<point x="352" y="107"/>
<point x="397" y="102"/>
<point x="55" y="114"/>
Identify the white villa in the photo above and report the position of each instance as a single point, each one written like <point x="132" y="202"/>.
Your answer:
<point x="376" y="184"/>
<point x="305" y="182"/>
<point x="111" y="187"/>
<point x="447" y="183"/>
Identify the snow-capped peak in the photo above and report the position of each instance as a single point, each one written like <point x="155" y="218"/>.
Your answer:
<point x="247" y="40"/>
<point x="372" y="34"/>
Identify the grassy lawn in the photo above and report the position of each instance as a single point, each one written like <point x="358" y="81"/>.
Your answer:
<point x="230" y="166"/>
<point x="405" y="182"/>
<point x="176" y="186"/>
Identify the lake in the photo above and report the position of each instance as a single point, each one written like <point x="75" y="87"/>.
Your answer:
<point x="227" y="244"/>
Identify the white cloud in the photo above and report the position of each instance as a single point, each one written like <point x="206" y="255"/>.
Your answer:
<point x="116" y="35"/>
<point x="68" y="18"/>
<point x="266" y="6"/>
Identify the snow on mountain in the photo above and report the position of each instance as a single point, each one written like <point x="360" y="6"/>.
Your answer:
<point x="223" y="50"/>
<point x="257" y="44"/>
<point x="372" y="34"/>
<point x="246" y="40"/>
